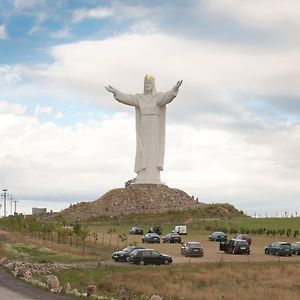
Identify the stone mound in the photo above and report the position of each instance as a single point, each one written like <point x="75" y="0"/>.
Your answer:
<point x="138" y="198"/>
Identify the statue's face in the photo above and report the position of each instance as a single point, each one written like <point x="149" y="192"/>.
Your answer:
<point x="148" y="87"/>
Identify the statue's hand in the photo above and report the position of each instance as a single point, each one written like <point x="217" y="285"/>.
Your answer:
<point x="178" y="84"/>
<point x="110" y="89"/>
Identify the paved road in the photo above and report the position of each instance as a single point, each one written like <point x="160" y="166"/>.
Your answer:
<point x="15" y="289"/>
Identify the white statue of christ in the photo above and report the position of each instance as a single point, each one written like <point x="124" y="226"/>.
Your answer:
<point x="150" y="108"/>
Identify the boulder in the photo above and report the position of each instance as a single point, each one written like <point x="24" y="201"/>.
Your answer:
<point x="91" y="290"/>
<point x="66" y="288"/>
<point x="52" y="282"/>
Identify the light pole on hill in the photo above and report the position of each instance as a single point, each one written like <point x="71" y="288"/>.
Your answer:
<point x="4" y="202"/>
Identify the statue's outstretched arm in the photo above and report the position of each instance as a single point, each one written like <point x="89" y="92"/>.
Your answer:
<point x="170" y="95"/>
<point x="111" y="89"/>
<point x="123" y="98"/>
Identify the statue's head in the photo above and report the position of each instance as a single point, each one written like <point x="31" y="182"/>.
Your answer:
<point x="149" y="84"/>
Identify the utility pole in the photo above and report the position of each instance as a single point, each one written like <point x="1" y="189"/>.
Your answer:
<point x="15" y="201"/>
<point x="4" y="197"/>
<point x="11" y="201"/>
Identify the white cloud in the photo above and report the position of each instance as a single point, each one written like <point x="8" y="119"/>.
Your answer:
<point x="282" y="16"/>
<point x="80" y="15"/>
<point x="3" y="32"/>
<point x="214" y="74"/>
<point x="59" y="115"/>
<point x="65" y="32"/>
<point x="43" y="110"/>
<point x="15" y="109"/>
<point x="27" y="4"/>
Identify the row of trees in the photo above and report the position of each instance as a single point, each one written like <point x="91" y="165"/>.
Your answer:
<point x="232" y="230"/>
<point x="55" y="231"/>
<point x="76" y="234"/>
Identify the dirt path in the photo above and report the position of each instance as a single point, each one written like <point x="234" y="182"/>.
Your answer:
<point x="15" y="289"/>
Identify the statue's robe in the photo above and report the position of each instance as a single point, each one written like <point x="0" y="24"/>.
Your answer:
<point x="150" y="132"/>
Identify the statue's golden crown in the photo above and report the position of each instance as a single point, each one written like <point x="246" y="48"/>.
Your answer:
<point x="149" y="77"/>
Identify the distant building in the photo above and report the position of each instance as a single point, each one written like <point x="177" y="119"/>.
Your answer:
<point x="38" y="211"/>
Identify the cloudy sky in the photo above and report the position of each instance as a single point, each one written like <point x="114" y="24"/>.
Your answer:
<point x="232" y="132"/>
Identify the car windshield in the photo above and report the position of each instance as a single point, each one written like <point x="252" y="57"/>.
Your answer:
<point x="127" y="249"/>
<point x="242" y="243"/>
<point x="153" y="234"/>
<point x="194" y="245"/>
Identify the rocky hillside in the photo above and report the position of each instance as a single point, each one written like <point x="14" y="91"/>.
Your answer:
<point x="133" y="199"/>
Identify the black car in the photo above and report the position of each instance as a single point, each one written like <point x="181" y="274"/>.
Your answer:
<point x="279" y="249"/>
<point x="296" y="248"/>
<point x="156" y="229"/>
<point x="149" y="256"/>
<point x="218" y="236"/>
<point x="136" y="230"/>
<point x="151" y="238"/>
<point x="123" y="255"/>
<point x="192" y="249"/>
<point x="172" y="238"/>
<point x="235" y="246"/>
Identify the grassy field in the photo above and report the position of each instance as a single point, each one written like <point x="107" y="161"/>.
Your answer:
<point x="215" y="276"/>
<point x="194" y="281"/>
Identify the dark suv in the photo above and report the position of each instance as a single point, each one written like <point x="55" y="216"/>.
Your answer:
<point x="235" y="246"/>
<point x="149" y="256"/>
<point x="136" y="230"/>
<point x="279" y="249"/>
<point x="151" y="238"/>
<point x="156" y="229"/>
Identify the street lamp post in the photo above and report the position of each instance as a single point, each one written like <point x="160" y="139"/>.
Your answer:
<point x="15" y="201"/>
<point x="11" y="201"/>
<point x="4" y="202"/>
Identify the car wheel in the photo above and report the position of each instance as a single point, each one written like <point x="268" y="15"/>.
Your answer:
<point x="266" y="251"/>
<point x="297" y="252"/>
<point x="142" y="262"/>
<point x="277" y="253"/>
<point x="185" y="254"/>
<point x="166" y="262"/>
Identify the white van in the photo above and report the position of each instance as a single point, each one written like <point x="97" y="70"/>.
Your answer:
<point x="180" y="229"/>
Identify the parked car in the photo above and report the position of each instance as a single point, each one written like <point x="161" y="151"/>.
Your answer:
<point x="149" y="256"/>
<point x="151" y="238"/>
<point x="279" y="249"/>
<point x="235" y="246"/>
<point x="180" y="229"/>
<point x="123" y="255"/>
<point x="296" y="248"/>
<point x="245" y="237"/>
<point x="192" y="249"/>
<point x="172" y="238"/>
<point x="136" y="230"/>
<point x="156" y="229"/>
<point x="218" y="236"/>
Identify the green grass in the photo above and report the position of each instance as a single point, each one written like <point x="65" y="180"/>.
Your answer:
<point x="31" y="253"/>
